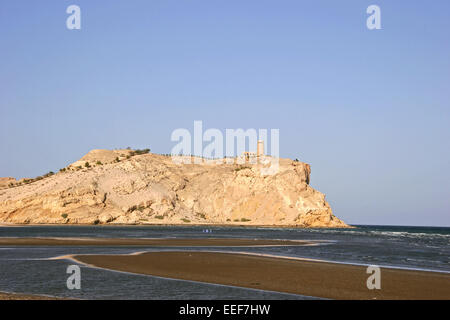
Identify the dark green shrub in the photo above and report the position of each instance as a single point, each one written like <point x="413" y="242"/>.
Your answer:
<point x="139" y="151"/>
<point x="241" y="168"/>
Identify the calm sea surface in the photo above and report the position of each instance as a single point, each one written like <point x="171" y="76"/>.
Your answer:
<point x="27" y="270"/>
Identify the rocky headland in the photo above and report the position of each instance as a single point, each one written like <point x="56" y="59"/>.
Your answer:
<point x="137" y="187"/>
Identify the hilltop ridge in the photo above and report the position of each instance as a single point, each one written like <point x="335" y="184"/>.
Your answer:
<point x="136" y="187"/>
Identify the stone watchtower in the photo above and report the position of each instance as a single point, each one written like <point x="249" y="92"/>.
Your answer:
<point x="260" y="148"/>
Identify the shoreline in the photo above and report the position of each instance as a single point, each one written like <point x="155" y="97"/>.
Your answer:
<point x="164" y="242"/>
<point x="3" y="224"/>
<point x="26" y="296"/>
<point x="307" y="277"/>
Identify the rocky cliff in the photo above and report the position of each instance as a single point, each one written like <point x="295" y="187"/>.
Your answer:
<point x="124" y="187"/>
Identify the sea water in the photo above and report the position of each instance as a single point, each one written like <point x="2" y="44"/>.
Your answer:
<point x="29" y="270"/>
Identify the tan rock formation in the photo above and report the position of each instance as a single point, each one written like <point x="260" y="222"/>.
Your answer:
<point x="5" y="182"/>
<point x="152" y="189"/>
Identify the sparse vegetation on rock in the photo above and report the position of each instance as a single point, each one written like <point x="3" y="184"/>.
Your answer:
<point x="151" y="187"/>
<point x="241" y="168"/>
<point x="139" y="151"/>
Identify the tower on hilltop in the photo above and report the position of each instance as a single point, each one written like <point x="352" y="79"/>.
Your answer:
<point x="260" y="148"/>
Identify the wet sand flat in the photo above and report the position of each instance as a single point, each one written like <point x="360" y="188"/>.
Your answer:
<point x="310" y="278"/>
<point x="145" y="242"/>
<point x="19" y="296"/>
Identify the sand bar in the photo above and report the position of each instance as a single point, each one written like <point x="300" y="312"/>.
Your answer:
<point x="20" y="296"/>
<point x="166" y="242"/>
<point x="311" y="278"/>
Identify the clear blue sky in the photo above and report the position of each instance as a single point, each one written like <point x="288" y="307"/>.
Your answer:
<point x="369" y="110"/>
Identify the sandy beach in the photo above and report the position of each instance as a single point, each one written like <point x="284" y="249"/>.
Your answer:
<point x="310" y="278"/>
<point x="167" y="242"/>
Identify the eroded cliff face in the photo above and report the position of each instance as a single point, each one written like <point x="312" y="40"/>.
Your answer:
<point x="152" y="189"/>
